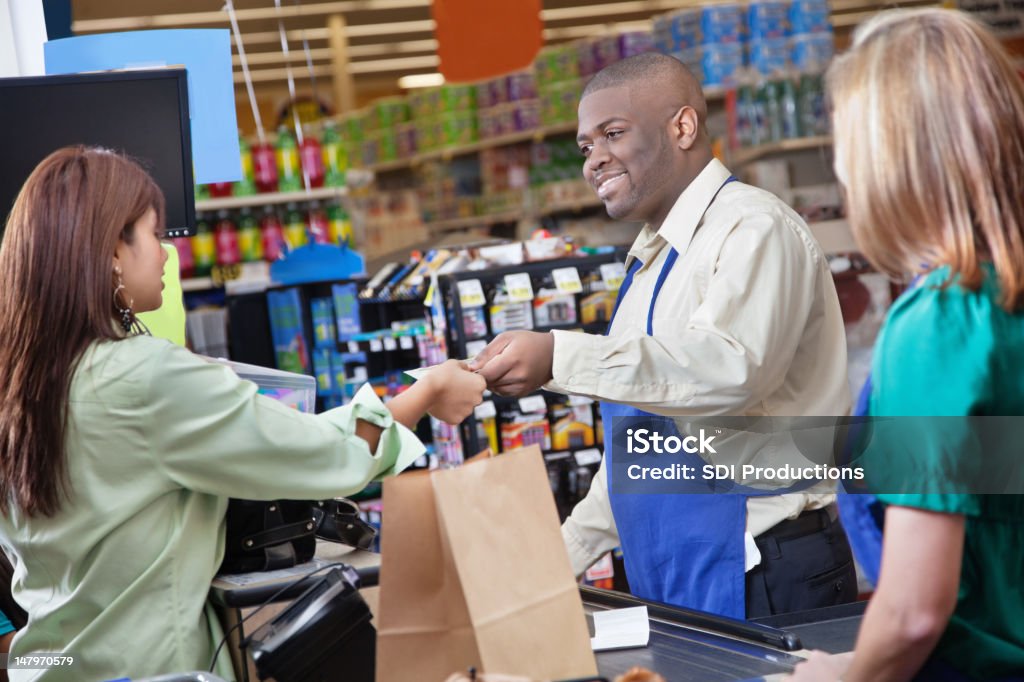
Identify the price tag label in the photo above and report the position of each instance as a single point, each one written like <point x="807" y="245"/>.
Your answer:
<point x="225" y="273"/>
<point x="588" y="457"/>
<point x="353" y="347"/>
<point x="612" y="274"/>
<point x="406" y="342"/>
<point x="471" y="294"/>
<point x="532" y="403"/>
<point x="485" y="410"/>
<point x="567" y="280"/>
<point x="376" y="346"/>
<point x="390" y="343"/>
<point x="519" y="287"/>
<point x="580" y="401"/>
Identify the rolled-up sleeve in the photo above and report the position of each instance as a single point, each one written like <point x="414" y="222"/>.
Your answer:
<point x="211" y="432"/>
<point x="731" y="353"/>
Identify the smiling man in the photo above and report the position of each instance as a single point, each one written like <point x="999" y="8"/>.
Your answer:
<point x="728" y="309"/>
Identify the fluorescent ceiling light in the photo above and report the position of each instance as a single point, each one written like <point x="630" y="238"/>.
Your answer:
<point x="421" y="80"/>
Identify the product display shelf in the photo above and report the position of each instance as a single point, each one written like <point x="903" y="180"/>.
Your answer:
<point x="743" y="156"/>
<point x="267" y="199"/>
<point x="456" y="336"/>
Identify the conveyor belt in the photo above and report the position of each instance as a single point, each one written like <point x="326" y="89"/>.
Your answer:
<point x="690" y="646"/>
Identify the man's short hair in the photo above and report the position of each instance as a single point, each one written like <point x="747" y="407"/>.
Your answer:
<point x="643" y="69"/>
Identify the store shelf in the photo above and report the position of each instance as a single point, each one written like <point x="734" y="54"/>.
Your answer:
<point x="197" y="284"/>
<point x="490" y="143"/>
<point x="744" y="156"/>
<point x="573" y="206"/>
<point x="319" y="193"/>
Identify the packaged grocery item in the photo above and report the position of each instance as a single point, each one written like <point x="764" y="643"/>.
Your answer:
<point x="809" y="16"/>
<point x="289" y="172"/>
<point x="271" y="235"/>
<point x="311" y="157"/>
<point x="722" y="24"/>
<point x="226" y="237"/>
<point x="204" y="247"/>
<point x="250" y="243"/>
<point x="721" y="63"/>
<point x="767" y="19"/>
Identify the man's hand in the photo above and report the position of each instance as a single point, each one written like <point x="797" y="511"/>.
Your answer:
<point x="516" y="363"/>
<point x="822" y="667"/>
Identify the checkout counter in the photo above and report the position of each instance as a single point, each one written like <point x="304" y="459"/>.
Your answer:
<point x="685" y="645"/>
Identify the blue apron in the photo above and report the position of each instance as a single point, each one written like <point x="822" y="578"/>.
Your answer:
<point x="685" y="549"/>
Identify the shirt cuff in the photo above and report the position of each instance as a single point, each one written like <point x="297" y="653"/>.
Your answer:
<point x="580" y="555"/>
<point x="397" y="448"/>
<point x="574" y="365"/>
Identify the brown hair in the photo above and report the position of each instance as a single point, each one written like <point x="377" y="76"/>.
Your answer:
<point x="929" y="135"/>
<point x="56" y="298"/>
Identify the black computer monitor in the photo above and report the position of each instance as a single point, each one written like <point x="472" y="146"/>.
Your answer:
<point x="141" y="113"/>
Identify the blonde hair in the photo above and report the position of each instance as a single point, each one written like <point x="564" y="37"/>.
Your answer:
<point x="929" y="134"/>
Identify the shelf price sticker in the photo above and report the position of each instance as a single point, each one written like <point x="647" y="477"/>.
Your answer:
<point x="220" y="274"/>
<point x="588" y="457"/>
<point x="376" y="346"/>
<point x="471" y="294"/>
<point x="519" y="287"/>
<point x="532" y="403"/>
<point x="405" y="342"/>
<point x="485" y="410"/>
<point x="390" y="343"/>
<point x="567" y="280"/>
<point x="612" y="274"/>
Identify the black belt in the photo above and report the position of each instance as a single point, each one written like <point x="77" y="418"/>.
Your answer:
<point x="807" y="523"/>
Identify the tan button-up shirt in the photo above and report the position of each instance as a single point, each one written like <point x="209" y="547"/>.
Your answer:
<point x="746" y="323"/>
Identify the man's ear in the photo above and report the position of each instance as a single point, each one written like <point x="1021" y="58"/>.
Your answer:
<point x="685" y="126"/>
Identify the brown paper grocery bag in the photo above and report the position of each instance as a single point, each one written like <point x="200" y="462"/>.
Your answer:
<point x="474" y="573"/>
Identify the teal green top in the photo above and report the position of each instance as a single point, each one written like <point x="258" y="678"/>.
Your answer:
<point x="953" y="352"/>
<point x="158" y="440"/>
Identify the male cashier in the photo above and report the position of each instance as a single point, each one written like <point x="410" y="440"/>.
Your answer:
<point x="728" y="308"/>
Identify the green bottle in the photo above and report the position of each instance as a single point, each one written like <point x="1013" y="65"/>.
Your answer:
<point x="295" y="228"/>
<point x="204" y="248"/>
<point x="250" y="241"/>
<point x="247" y="185"/>
<point x="335" y="156"/>
<point x="289" y="172"/>
<point x="340" y="226"/>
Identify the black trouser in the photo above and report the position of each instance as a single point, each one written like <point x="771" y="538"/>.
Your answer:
<point x="806" y="563"/>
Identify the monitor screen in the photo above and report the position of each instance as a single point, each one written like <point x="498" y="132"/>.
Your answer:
<point x="143" y="114"/>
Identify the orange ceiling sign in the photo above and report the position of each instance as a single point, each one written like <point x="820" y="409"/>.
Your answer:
<point x="484" y="38"/>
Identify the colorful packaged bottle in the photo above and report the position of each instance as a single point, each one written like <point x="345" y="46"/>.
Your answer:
<point x="312" y="159"/>
<point x="334" y="155"/>
<point x="204" y="248"/>
<point x="295" y="228"/>
<point x="225" y="235"/>
<point x="247" y="185"/>
<point x="186" y="263"/>
<point x="272" y="235"/>
<point x="319" y="228"/>
<point x="264" y="164"/>
<point x="289" y="173"/>
<point x="219" y="189"/>
<point x="250" y="242"/>
<point x="340" y="226"/>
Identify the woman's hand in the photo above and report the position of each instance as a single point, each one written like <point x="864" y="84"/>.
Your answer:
<point x="822" y="667"/>
<point x="456" y="391"/>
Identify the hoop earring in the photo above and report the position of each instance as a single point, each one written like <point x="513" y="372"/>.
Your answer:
<point x="129" y="323"/>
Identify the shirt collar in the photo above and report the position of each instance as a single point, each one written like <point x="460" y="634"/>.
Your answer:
<point x="686" y="213"/>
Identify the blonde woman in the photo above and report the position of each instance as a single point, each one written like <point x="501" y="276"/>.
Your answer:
<point x="929" y="136"/>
